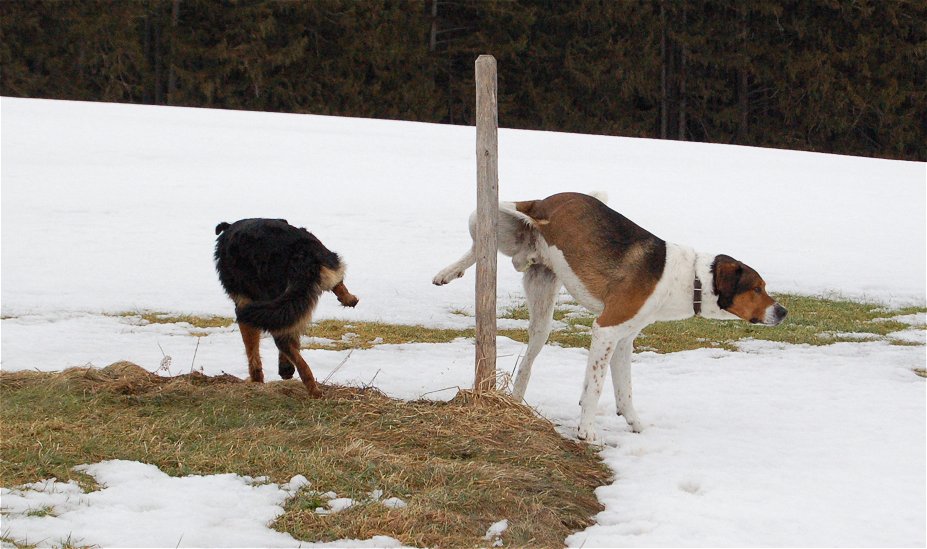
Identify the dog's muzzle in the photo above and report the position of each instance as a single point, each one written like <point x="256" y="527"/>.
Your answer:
<point x="775" y="314"/>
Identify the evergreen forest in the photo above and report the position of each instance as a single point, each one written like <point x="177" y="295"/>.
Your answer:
<point x="836" y="76"/>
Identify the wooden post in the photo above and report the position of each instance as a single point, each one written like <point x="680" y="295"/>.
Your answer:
<point x="487" y="216"/>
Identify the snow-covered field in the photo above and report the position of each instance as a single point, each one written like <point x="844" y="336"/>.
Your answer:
<point x="111" y="208"/>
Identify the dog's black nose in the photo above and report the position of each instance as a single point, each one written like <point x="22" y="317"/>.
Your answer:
<point x="780" y="312"/>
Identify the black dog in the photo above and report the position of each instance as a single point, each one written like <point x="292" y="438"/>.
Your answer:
<point x="275" y="273"/>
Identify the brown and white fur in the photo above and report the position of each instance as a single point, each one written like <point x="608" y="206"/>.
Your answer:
<point x="624" y="274"/>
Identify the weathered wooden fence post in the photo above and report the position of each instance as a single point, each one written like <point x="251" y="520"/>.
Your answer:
<point x="487" y="216"/>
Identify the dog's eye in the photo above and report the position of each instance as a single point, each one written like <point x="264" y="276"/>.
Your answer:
<point x="757" y="289"/>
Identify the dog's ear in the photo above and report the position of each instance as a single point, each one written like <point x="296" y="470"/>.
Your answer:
<point x="726" y="272"/>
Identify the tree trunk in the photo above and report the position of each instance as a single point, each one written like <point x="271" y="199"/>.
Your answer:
<point x="682" y="83"/>
<point x="158" y="54"/>
<point x="172" y="74"/>
<point x="664" y="114"/>
<point x="147" y="92"/>
<point x="743" y="88"/>
<point x="433" y="39"/>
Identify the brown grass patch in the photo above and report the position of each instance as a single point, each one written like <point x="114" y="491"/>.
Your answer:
<point x="460" y="465"/>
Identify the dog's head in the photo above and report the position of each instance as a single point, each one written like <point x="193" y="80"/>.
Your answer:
<point x="742" y="291"/>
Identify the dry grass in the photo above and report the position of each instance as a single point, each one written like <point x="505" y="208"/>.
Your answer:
<point x="460" y="465"/>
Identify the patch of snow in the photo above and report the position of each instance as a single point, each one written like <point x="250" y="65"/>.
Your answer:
<point x="140" y="506"/>
<point x="394" y="503"/>
<point x="914" y="319"/>
<point x="196" y="160"/>
<point x="859" y="336"/>
<point x="495" y="531"/>
<point x="340" y="504"/>
<point x="910" y="336"/>
<point x="312" y="340"/>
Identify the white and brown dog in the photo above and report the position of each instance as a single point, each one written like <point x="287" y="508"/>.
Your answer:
<point x="621" y="272"/>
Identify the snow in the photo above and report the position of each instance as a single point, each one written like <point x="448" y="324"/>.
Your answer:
<point x="111" y="208"/>
<point x="124" y="199"/>
<point x="910" y="336"/>
<point x="140" y="506"/>
<point x="394" y="503"/>
<point x="494" y="533"/>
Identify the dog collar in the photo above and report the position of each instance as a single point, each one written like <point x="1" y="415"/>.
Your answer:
<point x="697" y="297"/>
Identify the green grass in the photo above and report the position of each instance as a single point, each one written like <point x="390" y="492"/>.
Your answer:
<point x="45" y="511"/>
<point x="459" y="465"/>
<point x="811" y="321"/>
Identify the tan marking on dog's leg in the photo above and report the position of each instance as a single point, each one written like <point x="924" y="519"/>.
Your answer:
<point x="288" y="344"/>
<point x="345" y="297"/>
<point x="251" y="336"/>
<point x="329" y="278"/>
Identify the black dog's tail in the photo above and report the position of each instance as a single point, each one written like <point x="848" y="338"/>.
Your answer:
<point x="221" y="227"/>
<point x="285" y="310"/>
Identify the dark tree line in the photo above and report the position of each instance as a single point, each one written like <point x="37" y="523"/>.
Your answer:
<point x="843" y="76"/>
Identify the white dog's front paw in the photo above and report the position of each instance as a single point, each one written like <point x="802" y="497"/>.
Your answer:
<point x="589" y="436"/>
<point x="634" y="422"/>
<point x="444" y="277"/>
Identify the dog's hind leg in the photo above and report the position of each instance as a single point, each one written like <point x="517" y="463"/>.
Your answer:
<point x="541" y="287"/>
<point x="251" y="336"/>
<point x="621" y="379"/>
<point x="288" y="345"/>
<point x="456" y="269"/>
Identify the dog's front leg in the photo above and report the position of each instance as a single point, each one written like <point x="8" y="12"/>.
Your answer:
<point x="621" y="379"/>
<point x="604" y="340"/>
<point x="344" y="296"/>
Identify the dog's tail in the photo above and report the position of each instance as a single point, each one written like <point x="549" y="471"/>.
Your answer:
<point x="285" y="310"/>
<point x="525" y="211"/>
<point x="517" y="210"/>
<point x="221" y="227"/>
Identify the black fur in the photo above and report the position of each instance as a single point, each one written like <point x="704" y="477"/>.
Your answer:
<point x="275" y="267"/>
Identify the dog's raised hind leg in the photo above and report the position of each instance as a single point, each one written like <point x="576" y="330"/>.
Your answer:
<point x="251" y="336"/>
<point x="621" y="379"/>
<point x="288" y="345"/>
<point x="541" y="287"/>
<point x="456" y="269"/>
